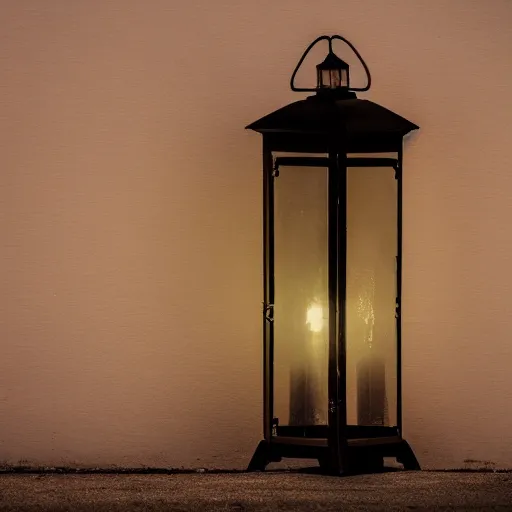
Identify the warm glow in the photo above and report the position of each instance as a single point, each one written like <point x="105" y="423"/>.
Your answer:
<point x="315" y="318"/>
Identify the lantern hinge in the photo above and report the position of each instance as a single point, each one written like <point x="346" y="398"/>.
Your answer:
<point x="397" y="308"/>
<point x="275" y="169"/>
<point x="398" y="171"/>
<point x="275" y="425"/>
<point x="268" y="312"/>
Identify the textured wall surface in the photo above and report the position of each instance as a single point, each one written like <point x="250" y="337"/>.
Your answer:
<point x="130" y="213"/>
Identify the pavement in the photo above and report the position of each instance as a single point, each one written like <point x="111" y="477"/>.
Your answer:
<point x="247" y="492"/>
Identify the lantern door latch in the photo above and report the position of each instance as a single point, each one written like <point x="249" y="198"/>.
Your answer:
<point x="268" y="312"/>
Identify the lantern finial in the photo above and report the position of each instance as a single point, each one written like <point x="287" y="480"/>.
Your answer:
<point x="333" y="73"/>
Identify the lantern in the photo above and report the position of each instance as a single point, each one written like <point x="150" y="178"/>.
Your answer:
<point x="332" y="186"/>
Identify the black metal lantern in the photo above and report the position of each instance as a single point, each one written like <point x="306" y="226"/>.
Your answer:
<point x="332" y="167"/>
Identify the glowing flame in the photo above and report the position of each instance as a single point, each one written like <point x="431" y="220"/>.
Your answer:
<point x="315" y="318"/>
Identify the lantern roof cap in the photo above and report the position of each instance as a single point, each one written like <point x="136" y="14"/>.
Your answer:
<point x="328" y="114"/>
<point x="332" y="61"/>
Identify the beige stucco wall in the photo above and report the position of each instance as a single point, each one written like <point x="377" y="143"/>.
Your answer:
<point x="130" y="215"/>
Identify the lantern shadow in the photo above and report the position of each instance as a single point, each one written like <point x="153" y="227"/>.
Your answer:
<point x="362" y="470"/>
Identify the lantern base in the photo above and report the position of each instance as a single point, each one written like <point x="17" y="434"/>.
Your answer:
<point x="361" y="455"/>
<point x="339" y="93"/>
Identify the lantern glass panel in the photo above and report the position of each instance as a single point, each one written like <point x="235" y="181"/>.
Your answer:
<point x="329" y="78"/>
<point x="301" y="347"/>
<point x="371" y="333"/>
<point x="333" y="78"/>
<point x="344" y="77"/>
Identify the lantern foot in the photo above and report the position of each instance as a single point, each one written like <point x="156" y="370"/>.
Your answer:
<point x="262" y="457"/>
<point x="406" y="457"/>
<point x="330" y="467"/>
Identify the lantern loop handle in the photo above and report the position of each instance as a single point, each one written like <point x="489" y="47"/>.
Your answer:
<point x="304" y="55"/>
<point x="358" y="55"/>
<point x="330" y="40"/>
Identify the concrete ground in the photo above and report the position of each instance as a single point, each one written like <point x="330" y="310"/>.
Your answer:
<point x="268" y="491"/>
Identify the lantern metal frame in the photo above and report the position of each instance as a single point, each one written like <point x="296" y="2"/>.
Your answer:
<point x="330" y="126"/>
